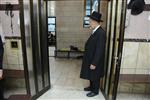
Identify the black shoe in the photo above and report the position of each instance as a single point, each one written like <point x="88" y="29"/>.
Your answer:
<point x="87" y="89"/>
<point x="91" y="94"/>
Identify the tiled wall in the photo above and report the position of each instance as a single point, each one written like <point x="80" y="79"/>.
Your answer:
<point x="9" y="1"/>
<point x="136" y="54"/>
<point x="136" y="58"/>
<point x="6" y="24"/>
<point x="69" y="23"/>
<point x="13" y="58"/>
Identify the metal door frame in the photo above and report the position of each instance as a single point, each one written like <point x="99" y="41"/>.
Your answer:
<point x="113" y="92"/>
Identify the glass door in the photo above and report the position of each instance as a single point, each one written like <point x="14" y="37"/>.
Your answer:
<point x="115" y="33"/>
<point x="35" y="46"/>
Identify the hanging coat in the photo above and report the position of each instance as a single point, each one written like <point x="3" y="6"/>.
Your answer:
<point x="94" y="54"/>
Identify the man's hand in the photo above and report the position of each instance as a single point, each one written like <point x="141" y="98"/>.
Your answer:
<point x="1" y="74"/>
<point x="92" y="67"/>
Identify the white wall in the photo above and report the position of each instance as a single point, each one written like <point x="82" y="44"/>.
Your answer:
<point x="69" y="23"/>
<point x="11" y="1"/>
<point x="12" y="56"/>
<point x="136" y="55"/>
<point x="6" y="24"/>
<point x="137" y="27"/>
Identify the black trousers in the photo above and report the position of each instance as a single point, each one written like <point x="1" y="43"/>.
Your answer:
<point x="1" y="90"/>
<point x="94" y="85"/>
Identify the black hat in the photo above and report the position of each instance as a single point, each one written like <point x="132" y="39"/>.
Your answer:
<point x="136" y="6"/>
<point x="96" y="16"/>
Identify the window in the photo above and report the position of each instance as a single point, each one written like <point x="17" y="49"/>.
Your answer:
<point x="51" y="24"/>
<point x="90" y="6"/>
<point x="52" y="31"/>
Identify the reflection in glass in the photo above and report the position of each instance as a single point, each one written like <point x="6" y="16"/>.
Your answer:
<point x="29" y="46"/>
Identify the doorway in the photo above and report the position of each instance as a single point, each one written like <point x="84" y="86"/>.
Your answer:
<point x="37" y="48"/>
<point x="70" y="38"/>
<point x="114" y="13"/>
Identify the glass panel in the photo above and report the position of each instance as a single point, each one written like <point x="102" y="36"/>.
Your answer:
<point x="44" y="40"/>
<point x="51" y="28"/>
<point x="88" y="12"/>
<point x="51" y="20"/>
<point x="88" y="7"/>
<point x="37" y="44"/>
<point x="28" y="39"/>
<point x="88" y="3"/>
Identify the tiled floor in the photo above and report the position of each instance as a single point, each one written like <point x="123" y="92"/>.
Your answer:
<point x="66" y="84"/>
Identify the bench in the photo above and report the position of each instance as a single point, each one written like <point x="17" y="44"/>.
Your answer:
<point x="69" y="53"/>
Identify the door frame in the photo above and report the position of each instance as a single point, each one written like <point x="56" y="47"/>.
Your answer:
<point x="115" y="60"/>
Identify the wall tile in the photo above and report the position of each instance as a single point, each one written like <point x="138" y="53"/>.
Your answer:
<point x="21" y="67"/>
<point x="20" y="58"/>
<point x="5" y="61"/>
<point x="130" y="55"/>
<point x="5" y="66"/>
<point x="13" y="66"/>
<point x="129" y="71"/>
<point x="13" y="59"/>
<point x="139" y="88"/>
<point x="143" y="56"/>
<point x="11" y="1"/>
<point x="147" y="88"/>
<point x="125" y="87"/>
<point x="142" y="71"/>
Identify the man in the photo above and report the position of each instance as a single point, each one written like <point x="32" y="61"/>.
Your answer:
<point x="2" y="40"/>
<point x="93" y="59"/>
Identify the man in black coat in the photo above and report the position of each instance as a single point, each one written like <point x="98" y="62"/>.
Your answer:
<point x="94" y="55"/>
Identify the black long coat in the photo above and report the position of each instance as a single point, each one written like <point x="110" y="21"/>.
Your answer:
<point x="94" y="54"/>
